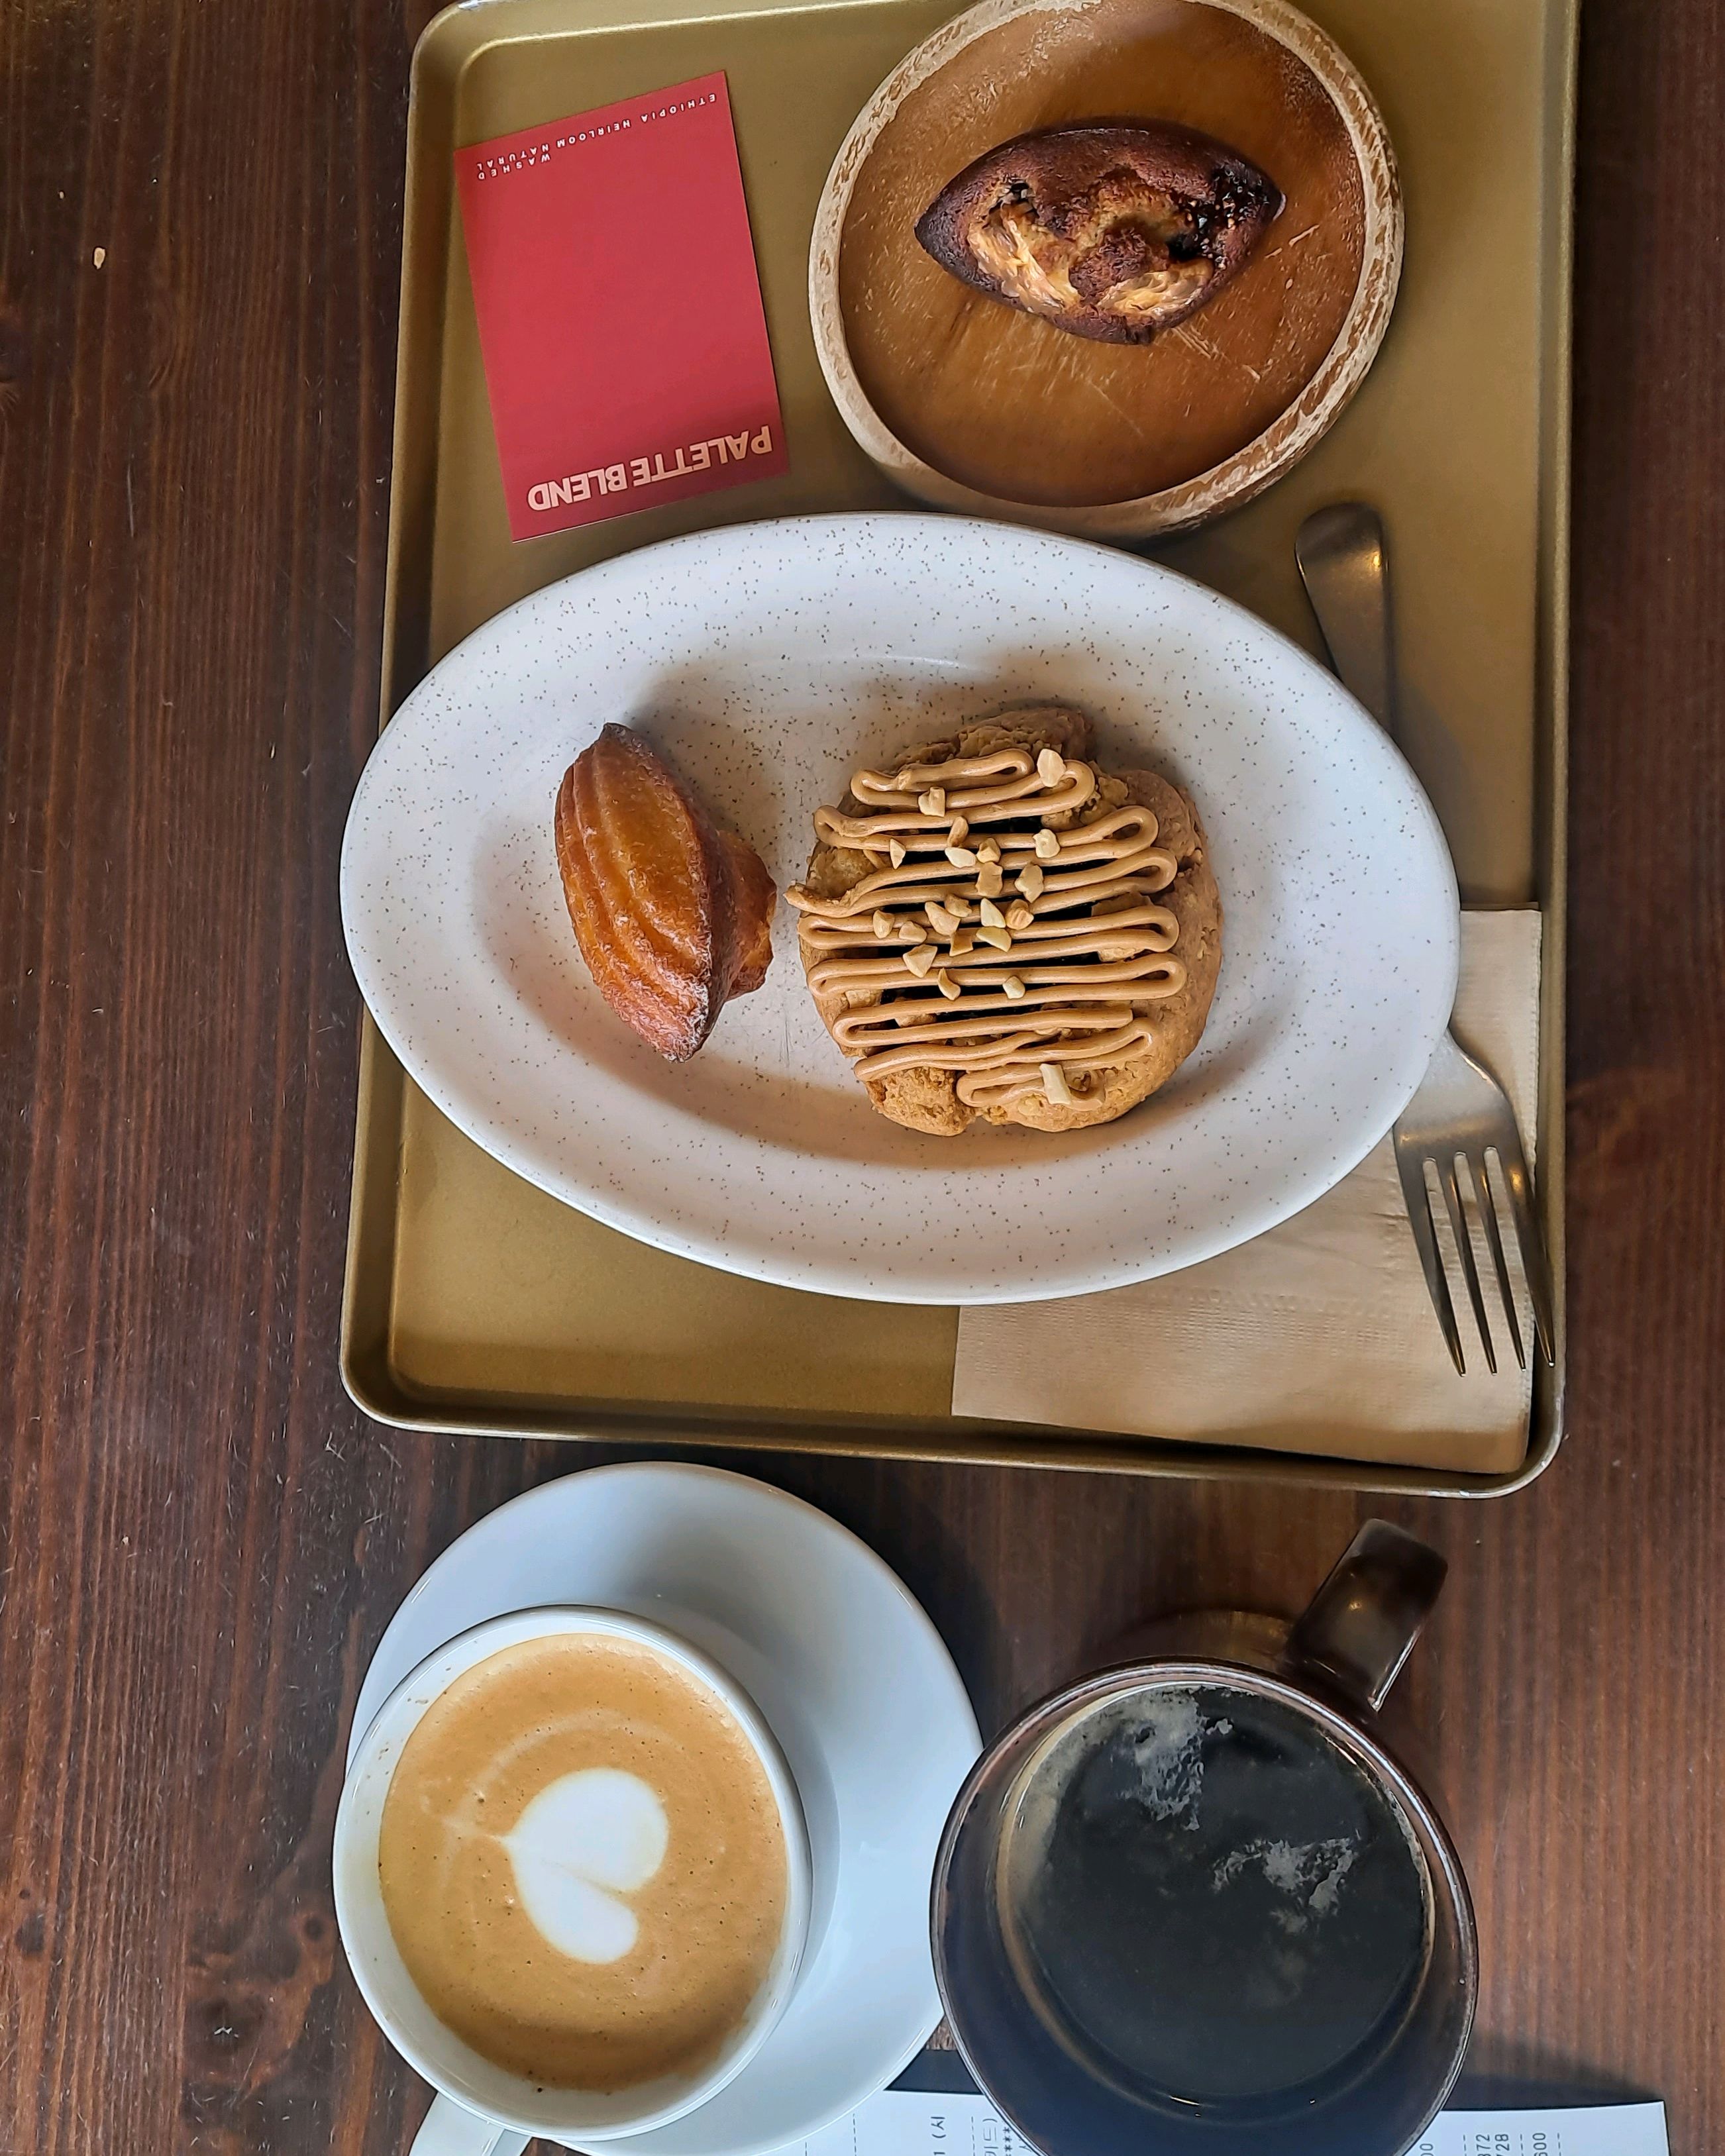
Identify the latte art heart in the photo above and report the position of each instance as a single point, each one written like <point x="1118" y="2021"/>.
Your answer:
<point x="584" y="1841"/>
<point x="584" y="1863"/>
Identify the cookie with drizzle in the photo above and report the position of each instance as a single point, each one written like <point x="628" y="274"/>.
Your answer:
<point x="998" y="927"/>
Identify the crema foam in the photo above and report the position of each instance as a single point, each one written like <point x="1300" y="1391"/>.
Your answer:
<point x="584" y="1864"/>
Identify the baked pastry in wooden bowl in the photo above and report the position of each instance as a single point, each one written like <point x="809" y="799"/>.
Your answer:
<point x="1110" y="232"/>
<point x="1110" y="266"/>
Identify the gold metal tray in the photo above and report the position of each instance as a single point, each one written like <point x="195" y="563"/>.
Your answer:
<point x="474" y="1301"/>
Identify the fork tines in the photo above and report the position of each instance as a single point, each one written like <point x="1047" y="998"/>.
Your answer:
<point x="1420" y="1171"/>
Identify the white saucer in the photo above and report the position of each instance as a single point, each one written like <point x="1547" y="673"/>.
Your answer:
<point x="859" y="1688"/>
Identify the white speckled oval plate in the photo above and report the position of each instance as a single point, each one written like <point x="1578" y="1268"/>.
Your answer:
<point x="767" y="661"/>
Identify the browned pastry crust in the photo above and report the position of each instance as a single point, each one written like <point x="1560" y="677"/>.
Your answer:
<point x="928" y="1097"/>
<point x="1110" y="232"/>
<point x="673" y="917"/>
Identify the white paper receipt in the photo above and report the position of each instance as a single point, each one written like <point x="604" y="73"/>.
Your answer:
<point x="909" y="2122"/>
<point x="1604" y="2129"/>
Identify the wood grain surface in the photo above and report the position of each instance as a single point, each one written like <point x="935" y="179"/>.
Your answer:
<point x="200" y="1540"/>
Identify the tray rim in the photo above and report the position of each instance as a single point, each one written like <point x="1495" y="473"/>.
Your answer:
<point x="379" y="1394"/>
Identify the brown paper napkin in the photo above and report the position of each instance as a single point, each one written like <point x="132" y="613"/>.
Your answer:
<point x="1319" y="1336"/>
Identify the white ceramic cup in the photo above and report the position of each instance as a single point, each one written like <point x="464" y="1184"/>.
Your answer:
<point x="481" y="2108"/>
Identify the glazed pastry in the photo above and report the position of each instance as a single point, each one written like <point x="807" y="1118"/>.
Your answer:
<point x="1112" y="232"/>
<point x="673" y="917"/>
<point x="1000" y="928"/>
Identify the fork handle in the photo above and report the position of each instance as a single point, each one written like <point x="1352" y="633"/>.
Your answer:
<point x="1346" y="570"/>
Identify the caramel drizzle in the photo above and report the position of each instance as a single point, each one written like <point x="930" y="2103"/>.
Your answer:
<point x="1021" y="956"/>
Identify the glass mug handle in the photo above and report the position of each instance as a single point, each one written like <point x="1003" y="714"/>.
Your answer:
<point x="450" y="2130"/>
<point x="1362" y="1624"/>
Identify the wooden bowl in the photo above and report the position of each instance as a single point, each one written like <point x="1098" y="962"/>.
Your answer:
<point x="973" y="405"/>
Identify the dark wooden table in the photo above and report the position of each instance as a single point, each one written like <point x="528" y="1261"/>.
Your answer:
<point x="199" y="1539"/>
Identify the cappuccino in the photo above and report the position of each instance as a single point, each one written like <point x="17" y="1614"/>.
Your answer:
<point x="584" y="1864"/>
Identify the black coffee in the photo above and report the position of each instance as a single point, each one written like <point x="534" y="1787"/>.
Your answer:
<point x="1212" y="1903"/>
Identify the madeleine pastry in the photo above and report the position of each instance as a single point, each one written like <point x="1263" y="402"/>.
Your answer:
<point x="673" y="917"/>
<point x="1109" y="232"/>
<point x="1000" y="928"/>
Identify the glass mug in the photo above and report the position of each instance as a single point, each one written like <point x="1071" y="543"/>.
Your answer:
<point x="1191" y="1906"/>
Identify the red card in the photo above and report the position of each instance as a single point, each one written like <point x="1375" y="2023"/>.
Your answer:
<point x="619" y="312"/>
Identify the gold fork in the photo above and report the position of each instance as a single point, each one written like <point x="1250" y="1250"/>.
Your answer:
<point x="1460" y="1117"/>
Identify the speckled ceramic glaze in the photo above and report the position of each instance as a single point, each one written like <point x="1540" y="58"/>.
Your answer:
<point x="767" y="661"/>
